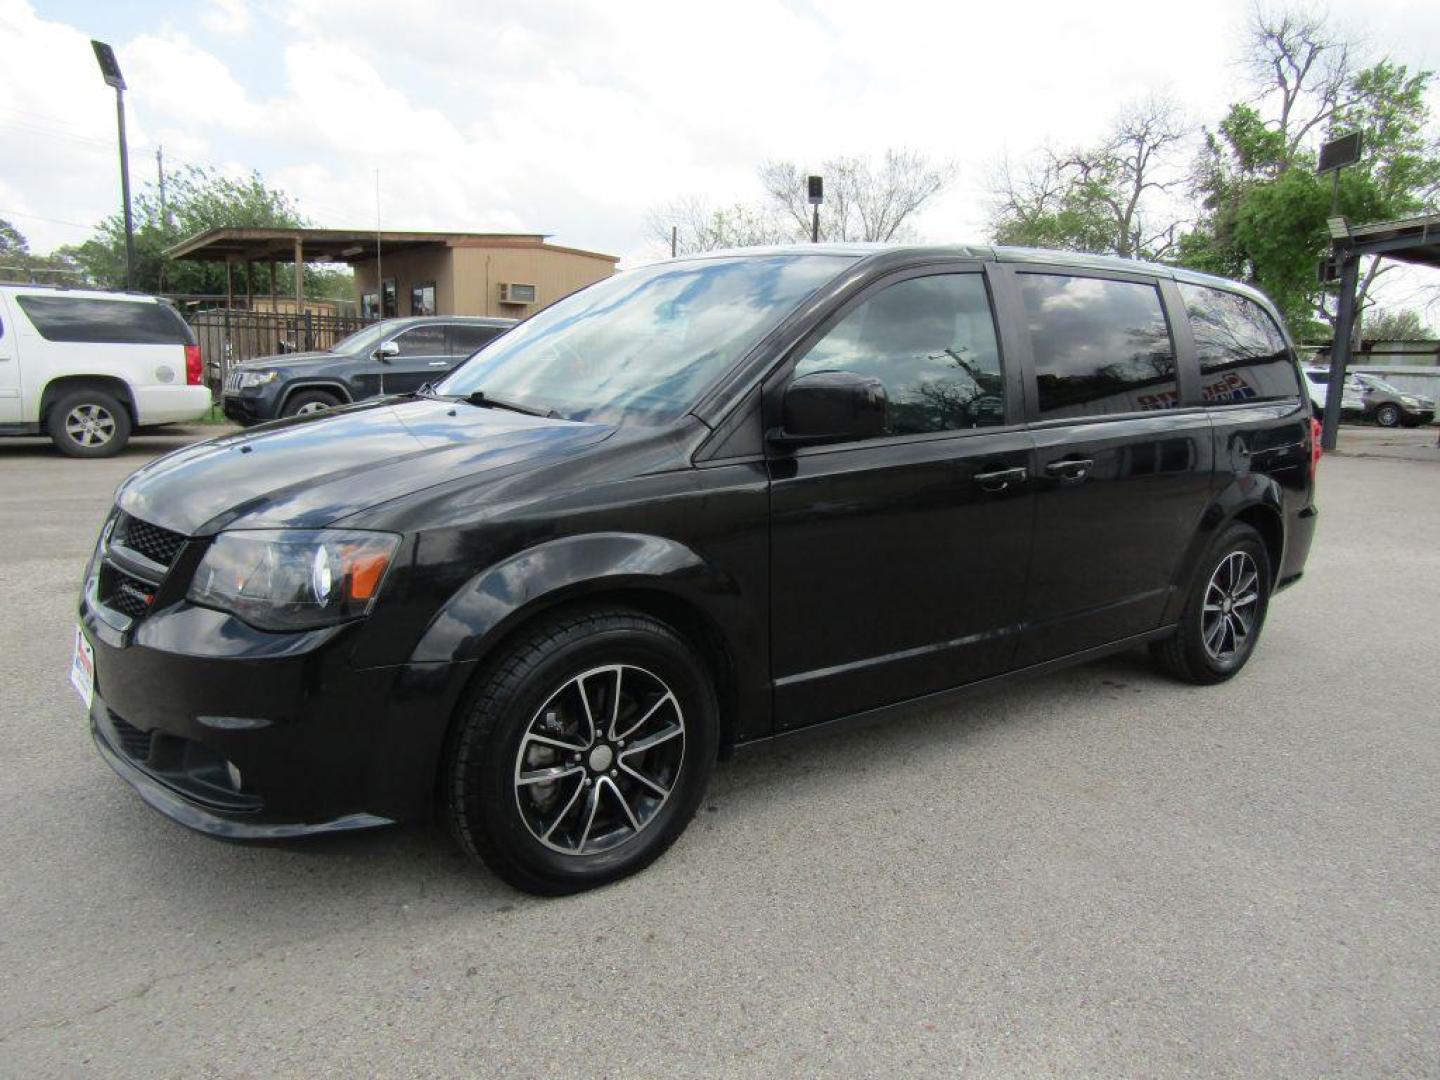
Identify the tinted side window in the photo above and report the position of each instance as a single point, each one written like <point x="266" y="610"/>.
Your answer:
<point x="931" y="341"/>
<point x="76" y="318"/>
<point x="426" y="340"/>
<point x="1242" y="352"/>
<point x="1100" y="346"/>
<point x="466" y="338"/>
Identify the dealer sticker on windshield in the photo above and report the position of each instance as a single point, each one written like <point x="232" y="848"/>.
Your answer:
<point x="82" y="668"/>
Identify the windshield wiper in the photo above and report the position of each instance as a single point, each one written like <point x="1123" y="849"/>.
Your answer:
<point x="479" y="397"/>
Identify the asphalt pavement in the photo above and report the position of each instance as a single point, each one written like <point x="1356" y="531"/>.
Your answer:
<point x="1098" y="873"/>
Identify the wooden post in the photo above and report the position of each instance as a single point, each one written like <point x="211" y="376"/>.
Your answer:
<point x="229" y="284"/>
<point x="274" y="300"/>
<point x="299" y="275"/>
<point x="249" y="286"/>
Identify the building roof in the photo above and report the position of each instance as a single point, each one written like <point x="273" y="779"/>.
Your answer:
<point x="345" y="245"/>
<point x="1414" y="240"/>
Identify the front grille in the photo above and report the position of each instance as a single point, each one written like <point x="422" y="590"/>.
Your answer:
<point x="121" y="592"/>
<point x="156" y="544"/>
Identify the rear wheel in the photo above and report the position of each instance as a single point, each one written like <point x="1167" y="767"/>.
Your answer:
<point x="1388" y="415"/>
<point x="88" y="424"/>
<point x="307" y="402"/>
<point x="1224" y="612"/>
<point x="583" y="753"/>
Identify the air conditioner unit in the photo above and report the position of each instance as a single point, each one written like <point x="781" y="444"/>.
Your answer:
<point x="511" y="293"/>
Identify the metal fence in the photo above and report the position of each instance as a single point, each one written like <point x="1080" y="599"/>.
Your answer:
<point x="228" y="337"/>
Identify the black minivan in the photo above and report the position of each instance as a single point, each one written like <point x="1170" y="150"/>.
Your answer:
<point x="699" y="507"/>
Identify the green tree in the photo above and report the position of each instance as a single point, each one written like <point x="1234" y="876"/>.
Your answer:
<point x="197" y="199"/>
<point x="1263" y="210"/>
<point x="1396" y="325"/>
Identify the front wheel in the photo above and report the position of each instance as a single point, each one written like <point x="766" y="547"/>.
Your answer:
<point x="583" y="753"/>
<point x="1224" y="612"/>
<point x="309" y="402"/>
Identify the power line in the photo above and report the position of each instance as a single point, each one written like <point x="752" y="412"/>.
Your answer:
<point x="42" y="217"/>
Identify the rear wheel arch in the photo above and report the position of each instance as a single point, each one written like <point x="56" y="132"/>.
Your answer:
<point x="62" y="385"/>
<point x="1266" y="520"/>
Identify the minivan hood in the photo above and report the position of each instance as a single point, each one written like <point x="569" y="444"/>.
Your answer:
<point x="313" y="470"/>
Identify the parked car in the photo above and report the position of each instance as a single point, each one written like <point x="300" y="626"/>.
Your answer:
<point x="396" y="356"/>
<point x="697" y="508"/>
<point x="1352" y="400"/>
<point x="88" y="367"/>
<point x="1389" y="406"/>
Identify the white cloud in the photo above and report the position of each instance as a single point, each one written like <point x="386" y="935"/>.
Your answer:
<point x="575" y="118"/>
<point x="228" y="17"/>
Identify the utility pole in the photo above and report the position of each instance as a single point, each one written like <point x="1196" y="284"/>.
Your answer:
<point x="164" y="216"/>
<point x="110" y="69"/>
<point x="674" y="239"/>
<point x="379" y="274"/>
<point x="160" y="177"/>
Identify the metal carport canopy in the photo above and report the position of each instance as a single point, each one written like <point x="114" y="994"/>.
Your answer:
<point x="1411" y="240"/>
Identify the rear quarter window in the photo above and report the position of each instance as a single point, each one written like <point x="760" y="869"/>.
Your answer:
<point x="110" y="322"/>
<point x="1243" y="355"/>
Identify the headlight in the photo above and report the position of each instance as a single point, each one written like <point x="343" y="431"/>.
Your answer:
<point x="257" y="378"/>
<point x="294" y="579"/>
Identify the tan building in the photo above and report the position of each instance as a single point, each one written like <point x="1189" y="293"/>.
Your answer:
<point x="408" y="273"/>
<point x="474" y="274"/>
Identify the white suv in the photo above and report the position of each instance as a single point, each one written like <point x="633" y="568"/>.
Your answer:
<point x="89" y="367"/>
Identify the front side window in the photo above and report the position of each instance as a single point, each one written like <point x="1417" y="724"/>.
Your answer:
<point x="931" y="341"/>
<point x="97" y="321"/>
<point x="465" y="338"/>
<point x="426" y="340"/>
<point x="1100" y="346"/>
<point x="644" y="345"/>
<point x="1243" y="355"/>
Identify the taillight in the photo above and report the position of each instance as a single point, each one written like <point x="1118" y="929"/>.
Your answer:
<point x="194" y="366"/>
<point x="1315" y="449"/>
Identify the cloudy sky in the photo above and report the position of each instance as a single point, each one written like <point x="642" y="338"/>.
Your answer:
<point x="577" y="118"/>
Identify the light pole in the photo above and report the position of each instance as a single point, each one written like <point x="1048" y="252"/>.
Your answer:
<point x="815" y="186"/>
<point x="110" y="69"/>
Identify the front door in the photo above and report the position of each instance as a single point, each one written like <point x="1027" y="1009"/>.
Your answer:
<point x="1123" y="465"/>
<point x="424" y="356"/>
<point x="898" y="563"/>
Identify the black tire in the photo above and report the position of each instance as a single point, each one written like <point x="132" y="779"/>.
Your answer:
<point x="88" y="424"/>
<point x="1186" y="655"/>
<point x="481" y="794"/>
<point x="1388" y="415"/>
<point x="308" y="401"/>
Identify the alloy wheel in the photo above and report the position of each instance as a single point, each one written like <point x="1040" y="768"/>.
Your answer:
<point x="599" y="759"/>
<point x="89" y="425"/>
<point x="311" y="407"/>
<point x="1232" y="601"/>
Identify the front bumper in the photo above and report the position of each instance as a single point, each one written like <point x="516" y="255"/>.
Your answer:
<point x="246" y="409"/>
<point x="188" y="699"/>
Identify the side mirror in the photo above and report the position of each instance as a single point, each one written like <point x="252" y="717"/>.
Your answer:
<point x="832" y="406"/>
<point x="386" y="351"/>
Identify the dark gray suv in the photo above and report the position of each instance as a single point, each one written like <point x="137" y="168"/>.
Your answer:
<point x="395" y="356"/>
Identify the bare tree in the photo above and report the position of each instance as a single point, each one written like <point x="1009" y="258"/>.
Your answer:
<point x="701" y="227"/>
<point x="864" y="200"/>
<point x="1103" y="198"/>
<point x="1294" y="54"/>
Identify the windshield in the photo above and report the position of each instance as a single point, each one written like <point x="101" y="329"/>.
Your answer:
<point x="365" y="339"/>
<point x="642" y="346"/>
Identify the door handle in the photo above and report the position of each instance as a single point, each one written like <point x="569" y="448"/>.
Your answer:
<point x="1000" y="479"/>
<point x="1070" y="468"/>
